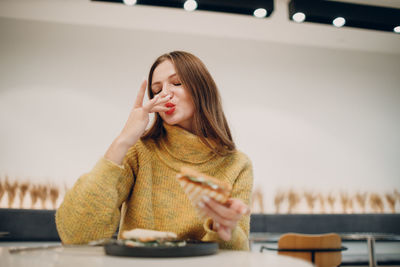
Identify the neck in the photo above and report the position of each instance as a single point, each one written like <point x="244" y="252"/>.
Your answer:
<point x="187" y="125"/>
<point x="185" y="146"/>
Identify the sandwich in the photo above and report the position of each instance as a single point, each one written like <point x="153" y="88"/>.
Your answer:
<point x="150" y="238"/>
<point x="197" y="184"/>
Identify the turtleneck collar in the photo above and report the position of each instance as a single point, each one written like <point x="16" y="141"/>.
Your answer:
<point x="184" y="146"/>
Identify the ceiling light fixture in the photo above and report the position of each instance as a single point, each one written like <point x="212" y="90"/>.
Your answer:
<point x="260" y="13"/>
<point x="299" y="17"/>
<point x="130" y="2"/>
<point x="339" y="22"/>
<point x="190" y="5"/>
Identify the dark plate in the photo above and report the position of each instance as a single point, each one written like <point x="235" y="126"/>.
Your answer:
<point x="192" y="248"/>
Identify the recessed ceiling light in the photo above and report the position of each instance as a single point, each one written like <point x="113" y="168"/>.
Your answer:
<point x="396" y="29"/>
<point x="260" y="13"/>
<point x="339" y="22"/>
<point x="299" y="17"/>
<point x="130" y="2"/>
<point x="190" y="5"/>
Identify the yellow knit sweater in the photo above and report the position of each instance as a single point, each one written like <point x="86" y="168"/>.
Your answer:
<point x="153" y="199"/>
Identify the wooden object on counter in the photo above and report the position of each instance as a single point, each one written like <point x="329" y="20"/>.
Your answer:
<point x="2" y="190"/>
<point x="293" y="199"/>
<point x="361" y="199"/>
<point x="321" y="200"/>
<point x="391" y="200"/>
<point x="344" y="199"/>
<point x="23" y="188"/>
<point x="34" y="193"/>
<point x="397" y="194"/>
<point x="376" y="203"/>
<point x="312" y="242"/>
<point x="257" y="198"/>
<point x="11" y="189"/>
<point x="310" y="199"/>
<point x="43" y="193"/>
<point x="331" y="201"/>
<point x="54" y="192"/>
<point x="279" y="198"/>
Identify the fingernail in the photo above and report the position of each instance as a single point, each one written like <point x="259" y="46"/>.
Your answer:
<point x="243" y="211"/>
<point x="216" y="225"/>
<point x="200" y="204"/>
<point x="206" y="198"/>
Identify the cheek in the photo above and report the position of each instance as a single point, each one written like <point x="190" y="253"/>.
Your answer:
<point x="189" y="106"/>
<point x="192" y="109"/>
<point x="187" y="100"/>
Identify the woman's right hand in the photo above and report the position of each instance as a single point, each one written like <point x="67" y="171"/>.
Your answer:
<point x="136" y="124"/>
<point x="139" y="117"/>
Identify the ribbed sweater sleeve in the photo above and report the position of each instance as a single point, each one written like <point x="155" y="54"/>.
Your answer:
<point x="242" y="188"/>
<point x="91" y="209"/>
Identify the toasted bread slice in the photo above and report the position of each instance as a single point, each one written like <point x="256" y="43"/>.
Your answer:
<point x="145" y="235"/>
<point x="197" y="184"/>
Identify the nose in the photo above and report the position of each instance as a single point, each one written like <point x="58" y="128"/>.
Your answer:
<point x="166" y="90"/>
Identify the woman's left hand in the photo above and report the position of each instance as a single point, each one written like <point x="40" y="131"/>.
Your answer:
<point x="225" y="216"/>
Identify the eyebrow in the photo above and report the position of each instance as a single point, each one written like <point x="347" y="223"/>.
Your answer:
<point x="172" y="75"/>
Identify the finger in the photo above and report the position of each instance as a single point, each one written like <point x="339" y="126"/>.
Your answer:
<point x="238" y="205"/>
<point x="163" y="99"/>
<point x="225" y="233"/>
<point x="225" y="212"/>
<point x="151" y="103"/>
<point x="140" y="96"/>
<point x="216" y="226"/>
<point x="215" y="216"/>
<point x="159" y="109"/>
<point x="155" y="101"/>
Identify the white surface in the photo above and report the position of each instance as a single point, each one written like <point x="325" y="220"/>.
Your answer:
<point x="94" y="256"/>
<point x="307" y="103"/>
<point x="277" y="28"/>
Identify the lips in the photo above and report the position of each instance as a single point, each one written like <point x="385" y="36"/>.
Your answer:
<point x="171" y="110"/>
<point x="169" y="105"/>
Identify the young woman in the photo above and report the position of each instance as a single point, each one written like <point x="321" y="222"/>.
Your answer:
<point x="134" y="185"/>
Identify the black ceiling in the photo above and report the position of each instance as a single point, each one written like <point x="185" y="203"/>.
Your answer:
<point x="245" y="7"/>
<point x="359" y="16"/>
<point x="316" y="11"/>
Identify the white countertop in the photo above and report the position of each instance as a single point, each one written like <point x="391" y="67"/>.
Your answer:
<point x="94" y="256"/>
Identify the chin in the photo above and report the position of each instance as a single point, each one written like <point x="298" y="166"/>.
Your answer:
<point x="170" y="120"/>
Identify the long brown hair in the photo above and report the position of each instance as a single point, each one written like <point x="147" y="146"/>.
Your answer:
<point x="209" y="122"/>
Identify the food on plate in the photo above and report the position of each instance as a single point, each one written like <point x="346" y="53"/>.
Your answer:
<point x="150" y="238"/>
<point x="197" y="184"/>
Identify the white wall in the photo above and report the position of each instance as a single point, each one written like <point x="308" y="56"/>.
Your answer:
<point x="309" y="117"/>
